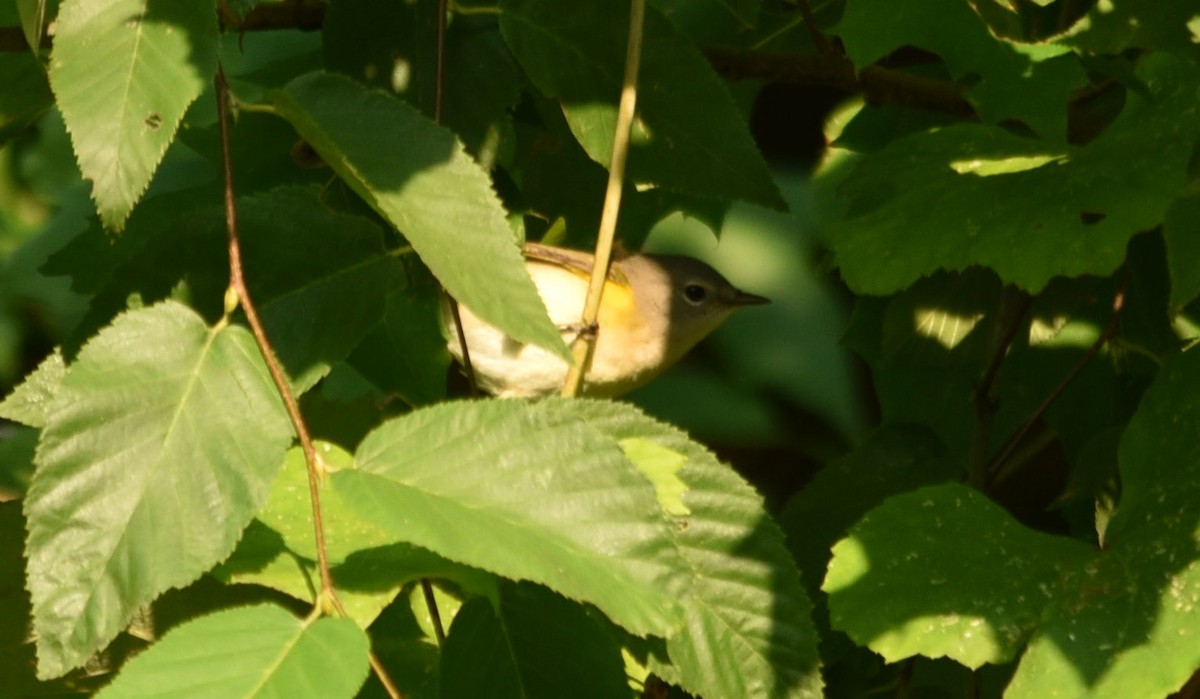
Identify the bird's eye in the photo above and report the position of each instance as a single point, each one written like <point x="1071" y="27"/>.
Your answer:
<point x="695" y="293"/>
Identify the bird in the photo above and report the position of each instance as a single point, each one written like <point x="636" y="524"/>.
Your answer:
<point x="655" y="308"/>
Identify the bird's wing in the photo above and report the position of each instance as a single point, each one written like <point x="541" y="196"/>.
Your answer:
<point x="574" y="260"/>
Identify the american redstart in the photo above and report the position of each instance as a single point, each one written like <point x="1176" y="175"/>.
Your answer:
<point x="654" y="309"/>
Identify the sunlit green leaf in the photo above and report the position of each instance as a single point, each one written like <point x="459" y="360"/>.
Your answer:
<point x="1072" y="215"/>
<point x="748" y="630"/>
<point x="528" y="491"/>
<point x="416" y="175"/>
<point x="123" y="105"/>
<point x="261" y="651"/>
<point x="28" y="403"/>
<point x="159" y="446"/>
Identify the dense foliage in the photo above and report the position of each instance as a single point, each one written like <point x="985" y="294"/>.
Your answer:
<point x="965" y="439"/>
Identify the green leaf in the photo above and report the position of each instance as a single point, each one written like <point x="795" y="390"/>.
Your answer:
<point x="943" y="571"/>
<point x="1030" y="210"/>
<point x="893" y="460"/>
<point x="536" y="644"/>
<point x="159" y="446"/>
<point x="1116" y="25"/>
<point x="368" y="566"/>
<point x="406" y="353"/>
<point x="747" y="629"/>
<point x="17" y="447"/>
<point x="661" y="466"/>
<point x="716" y="11"/>
<point x="927" y="348"/>
<point x="1031" y="83"/>
<point x="282" y="552"/>
<point x="28" y="403"/>
<point x="1183" y="249"/>
<point x="528" y="491"/>
<point x="318" y="278"/>
<point x="35" y="15"/>
<point x="689" y="135"/>
<point x="477" y="659"/>
<point x="124" y="103"/>
<point x="260" y="651"/>
<point x="26" y="93"/>
<point x="376" y="43"/>
<point x="416" y="175"/>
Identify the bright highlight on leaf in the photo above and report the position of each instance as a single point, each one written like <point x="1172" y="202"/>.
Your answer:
<point x="661" y="466"/>
<point x="160" y="445"/>
<point x="261" y="651"/>
<point x="947" y="328"/>
<point x="123" y="105"/>
<point x="1000" y="166"/>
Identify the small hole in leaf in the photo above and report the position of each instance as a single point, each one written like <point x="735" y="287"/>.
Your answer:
<point x="153" y="122"/>
<point x="1090" y="218"/>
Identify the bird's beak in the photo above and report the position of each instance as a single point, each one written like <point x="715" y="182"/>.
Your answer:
<point x="744" y="299"/>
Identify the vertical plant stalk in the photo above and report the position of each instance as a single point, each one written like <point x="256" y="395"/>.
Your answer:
<point x="237" y="283"/>
<point x="435" y="616"/>
<point x="585" y="342"/>
<point x="455" y="312"/>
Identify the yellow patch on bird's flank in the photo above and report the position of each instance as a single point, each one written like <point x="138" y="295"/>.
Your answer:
<point x="618" y="308"/>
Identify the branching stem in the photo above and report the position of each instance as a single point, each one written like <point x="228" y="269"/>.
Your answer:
<point x="999" y="469"/>
<point x="237" y="283"/>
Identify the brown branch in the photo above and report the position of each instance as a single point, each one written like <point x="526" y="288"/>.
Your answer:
<point x="305" y="15"/>
<point x="237" y="283"/>
<point x="877" y="84"/>
<point x="996" y="469"/>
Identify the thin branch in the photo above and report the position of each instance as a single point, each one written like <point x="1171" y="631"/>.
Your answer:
<point x="1010" y="311"/>
<point x="237" y="283"/>
<point x="878" y="85"/>
<point x="585" y="342"/>
<point x="435" y="616"/>
<point x="824" y="46"/>
<point x="996" y="469"/>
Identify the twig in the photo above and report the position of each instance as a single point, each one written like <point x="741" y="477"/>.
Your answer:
<point x="1012" y="308"/>
<point x="819" y="39"/>
<point x="995" y="469"/>
<point x="435" y="616"/>
<point x="237" y="283"/>
<point x="585" y="342"/>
